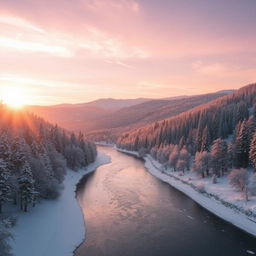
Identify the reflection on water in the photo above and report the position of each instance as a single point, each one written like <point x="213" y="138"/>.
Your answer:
<point x="129" y="212"/>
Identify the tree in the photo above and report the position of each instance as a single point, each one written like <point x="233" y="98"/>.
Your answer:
<point x="173" y="158"/>
<point x="242" y="142"/>
<point x="185" y="156"/>
<point x="202" y="163"/>
<point x="5" y="189"/>
<point x="5" y="149"/>
<point x="205" y="144"/>
<point x="252" y="185"/>
<point x="238" y="179"/>
<point x="18" y="152"/>
<point x="5" y="235"/>
<point x="181" y="165"/>
<point x="219" y="161"/>
<point x="26" y="187"/>
<point x="252" y="153"/>
<point x="230" y="156"/>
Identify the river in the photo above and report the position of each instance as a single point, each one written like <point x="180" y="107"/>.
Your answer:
<point x="128" y="212"/>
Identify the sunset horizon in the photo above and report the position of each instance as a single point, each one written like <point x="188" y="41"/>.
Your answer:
<point x="147" y="49"/>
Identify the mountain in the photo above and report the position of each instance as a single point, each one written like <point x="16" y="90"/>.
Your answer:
<point x="199" y="127"/>
<point x="81" y="117"/>
<point x="105" y="119"/>
<point x="112" y="125"/>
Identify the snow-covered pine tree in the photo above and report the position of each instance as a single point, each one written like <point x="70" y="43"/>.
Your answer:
<point x="5" y="236"/>
<point x="5" y="149"/>
<point x="173" y="157"/>
<point x="202" y="163"/>
<point x="242" y="142"/>
<point x="5" y="189"/>
<point x="26" y="187"/>
<point x="252" y="154"/>
<point x="252" y="185"/>
<point x="205" y="144"/>
<point x="219" y="161"/>
<point x="18" y="156"/>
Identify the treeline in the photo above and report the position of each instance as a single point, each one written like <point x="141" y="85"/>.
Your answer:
<point x="34" y="156"/>
<point x="197" y="128"/>
<point x="211" y="139"/>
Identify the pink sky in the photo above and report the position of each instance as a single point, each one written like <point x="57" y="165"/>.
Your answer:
<point x="76" y="51"/>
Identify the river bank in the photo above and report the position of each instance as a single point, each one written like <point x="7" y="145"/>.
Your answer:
<point x="232" y="213"/>
<point x="54" y="227"/>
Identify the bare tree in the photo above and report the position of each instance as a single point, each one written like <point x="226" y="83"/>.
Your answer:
<point x="238" y="179"/>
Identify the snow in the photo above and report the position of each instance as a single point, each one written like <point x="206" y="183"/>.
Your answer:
<point x="221" y="193"/>
<point x="104" y="143"/>
<point x="54" y="227"/>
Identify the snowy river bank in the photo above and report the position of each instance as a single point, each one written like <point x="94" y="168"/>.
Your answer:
<point x="233" y="216"/>
<point x="54" y="227"/>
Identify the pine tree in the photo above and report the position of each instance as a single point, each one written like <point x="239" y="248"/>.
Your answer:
<point x="205" y="144"/>
<point x="242" y="142"/>
<point x="26" y="187"/>
<point x="173" y="158"/>
<point x="5" y="149"/>
<point x="202" y="163"/>
<point x="5" y="189"/>
<point x="219" y="161"/>
<point x="5" y="236"/>
<point x="252" y="185"/>
<point x="252" y="153"/>
<point x="18" y="153"/>
<point x="185" y="156"/>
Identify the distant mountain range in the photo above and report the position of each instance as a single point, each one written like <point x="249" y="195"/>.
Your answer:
<point x="105" y="119"/>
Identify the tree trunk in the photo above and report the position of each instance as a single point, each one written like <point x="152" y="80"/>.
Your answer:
<point x="26" y="205"/>
<point x="15" y="199"/>
<point x="246" y="194"/>
<point x="21" y="204"/>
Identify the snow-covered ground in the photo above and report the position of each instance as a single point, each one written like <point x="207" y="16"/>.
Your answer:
<point x="219" y="198"/>
<point x="54" y="228"/>
<point x="104" y="143"/>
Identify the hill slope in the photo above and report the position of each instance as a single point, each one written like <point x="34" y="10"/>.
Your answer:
<point x="216" y="119"/>
<point x="110" y="126"/>
<point x="105" y="119"/>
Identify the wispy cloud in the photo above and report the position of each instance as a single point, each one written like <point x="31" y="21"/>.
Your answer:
<point x="100" y="44"/>
<point x="22" y="45"/>
<point x="20" y="23"/>
<point x="16" y="80"/>
<point x="116" y="5"/>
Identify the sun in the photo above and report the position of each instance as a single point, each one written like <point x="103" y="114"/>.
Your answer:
<point x="13" y="97"/>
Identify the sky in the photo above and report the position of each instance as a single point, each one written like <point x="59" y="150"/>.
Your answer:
<point x="68" y="51"/>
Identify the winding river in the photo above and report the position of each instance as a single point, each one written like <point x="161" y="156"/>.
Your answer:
<point x="128" y="212"/>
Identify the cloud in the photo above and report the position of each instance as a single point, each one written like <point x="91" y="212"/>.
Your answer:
<point x="17" y="80"/>
<point x="214" y="69"/>
<point x="20" y="23"/>
<point x="115" y="5"/>
<point x="100" y="44"/>
<point x="35" y="47"/>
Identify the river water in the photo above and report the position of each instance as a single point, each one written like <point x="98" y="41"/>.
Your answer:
<point x="128" y="212"/>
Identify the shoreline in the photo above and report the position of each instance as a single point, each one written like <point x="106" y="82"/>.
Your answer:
<point x="235" y="217"/>
<point x="54" y="227"/>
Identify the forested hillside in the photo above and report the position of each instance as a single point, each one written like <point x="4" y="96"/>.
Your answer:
<point x="211" y="139"/>
<point x="82" y="116"/>
<point x="111" y="125"/>
<point x="34" y="156"/>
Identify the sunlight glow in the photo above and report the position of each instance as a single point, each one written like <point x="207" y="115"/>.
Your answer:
<point x="13" y="97"/>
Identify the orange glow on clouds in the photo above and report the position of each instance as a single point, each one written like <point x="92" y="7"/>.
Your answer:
<point x="76" y="51"/>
